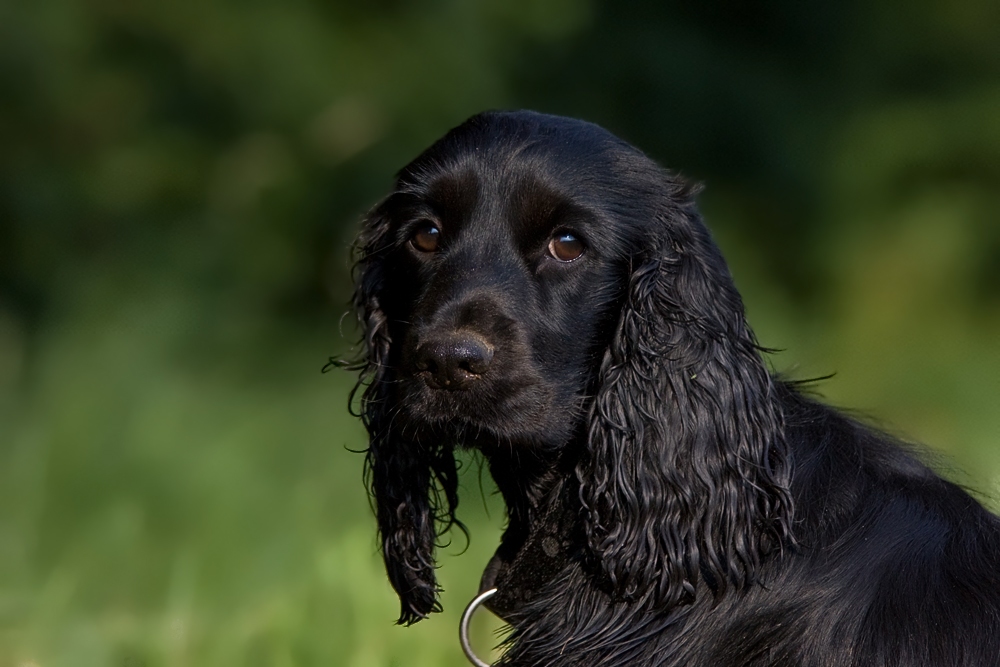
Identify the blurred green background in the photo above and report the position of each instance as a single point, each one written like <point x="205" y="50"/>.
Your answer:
<point x="179" y="184"/>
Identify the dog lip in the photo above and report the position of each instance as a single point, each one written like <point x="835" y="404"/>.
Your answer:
<point x="446" y="384"/>
<point x="483" y="404"/>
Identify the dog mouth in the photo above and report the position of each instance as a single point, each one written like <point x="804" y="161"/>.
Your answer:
<point x="483" y="407"/>
<point x="477" y="398"/>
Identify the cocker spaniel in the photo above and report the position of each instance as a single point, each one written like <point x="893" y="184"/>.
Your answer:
<point x="539" y="290"/>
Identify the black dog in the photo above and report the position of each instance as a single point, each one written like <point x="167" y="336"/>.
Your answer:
<point x="542" y="291"/>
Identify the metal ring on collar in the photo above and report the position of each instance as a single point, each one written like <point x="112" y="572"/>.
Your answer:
<point x="463" y="626"/>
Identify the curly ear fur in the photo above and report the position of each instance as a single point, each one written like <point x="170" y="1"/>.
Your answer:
<point x="414" y="484"/>
<point x="685" y="476"/>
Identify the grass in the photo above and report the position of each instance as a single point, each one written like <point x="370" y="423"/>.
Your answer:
<point x="168" y="507"/>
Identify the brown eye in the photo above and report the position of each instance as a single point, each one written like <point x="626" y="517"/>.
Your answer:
<point x="426" y="237"/>
<point x="565" y="247"/>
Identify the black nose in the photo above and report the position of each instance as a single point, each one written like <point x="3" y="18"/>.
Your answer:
<point x="455" y="360"/>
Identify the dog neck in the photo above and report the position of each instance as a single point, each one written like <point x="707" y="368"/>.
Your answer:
<point x="542" y="533"/>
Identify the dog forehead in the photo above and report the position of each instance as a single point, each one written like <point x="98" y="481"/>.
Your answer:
<point x="513" y="191"/>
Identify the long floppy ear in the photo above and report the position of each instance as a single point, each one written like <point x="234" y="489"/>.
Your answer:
<point x="685" y="476"/>
<point x="414" y="484"/>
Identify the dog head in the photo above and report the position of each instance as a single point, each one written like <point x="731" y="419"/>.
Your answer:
<point x="534" y="284"/>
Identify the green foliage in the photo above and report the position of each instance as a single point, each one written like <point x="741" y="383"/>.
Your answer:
<point x="179" y="183"/>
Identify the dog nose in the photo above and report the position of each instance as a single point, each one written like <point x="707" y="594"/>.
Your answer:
<point x="453" y="361"/>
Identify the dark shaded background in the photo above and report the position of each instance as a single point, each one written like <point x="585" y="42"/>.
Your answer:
<point x="179" y="183"/>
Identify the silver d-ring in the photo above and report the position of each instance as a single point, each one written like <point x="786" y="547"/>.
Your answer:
<point x="463" y="626"/>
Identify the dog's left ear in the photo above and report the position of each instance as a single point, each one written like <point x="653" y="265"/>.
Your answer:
<point x="414" y="484"/>
<point x="685" y="477"/>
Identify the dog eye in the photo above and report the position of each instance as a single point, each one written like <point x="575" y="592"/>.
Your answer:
<point x="565" y="247"/>
<point x="425" y="238"/>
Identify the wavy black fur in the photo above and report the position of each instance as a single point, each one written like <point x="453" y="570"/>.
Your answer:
<point x="718" y="515"/>
<point x="407" y="474"/>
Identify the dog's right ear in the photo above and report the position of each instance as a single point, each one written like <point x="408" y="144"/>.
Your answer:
<point x="414" y="485"/>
